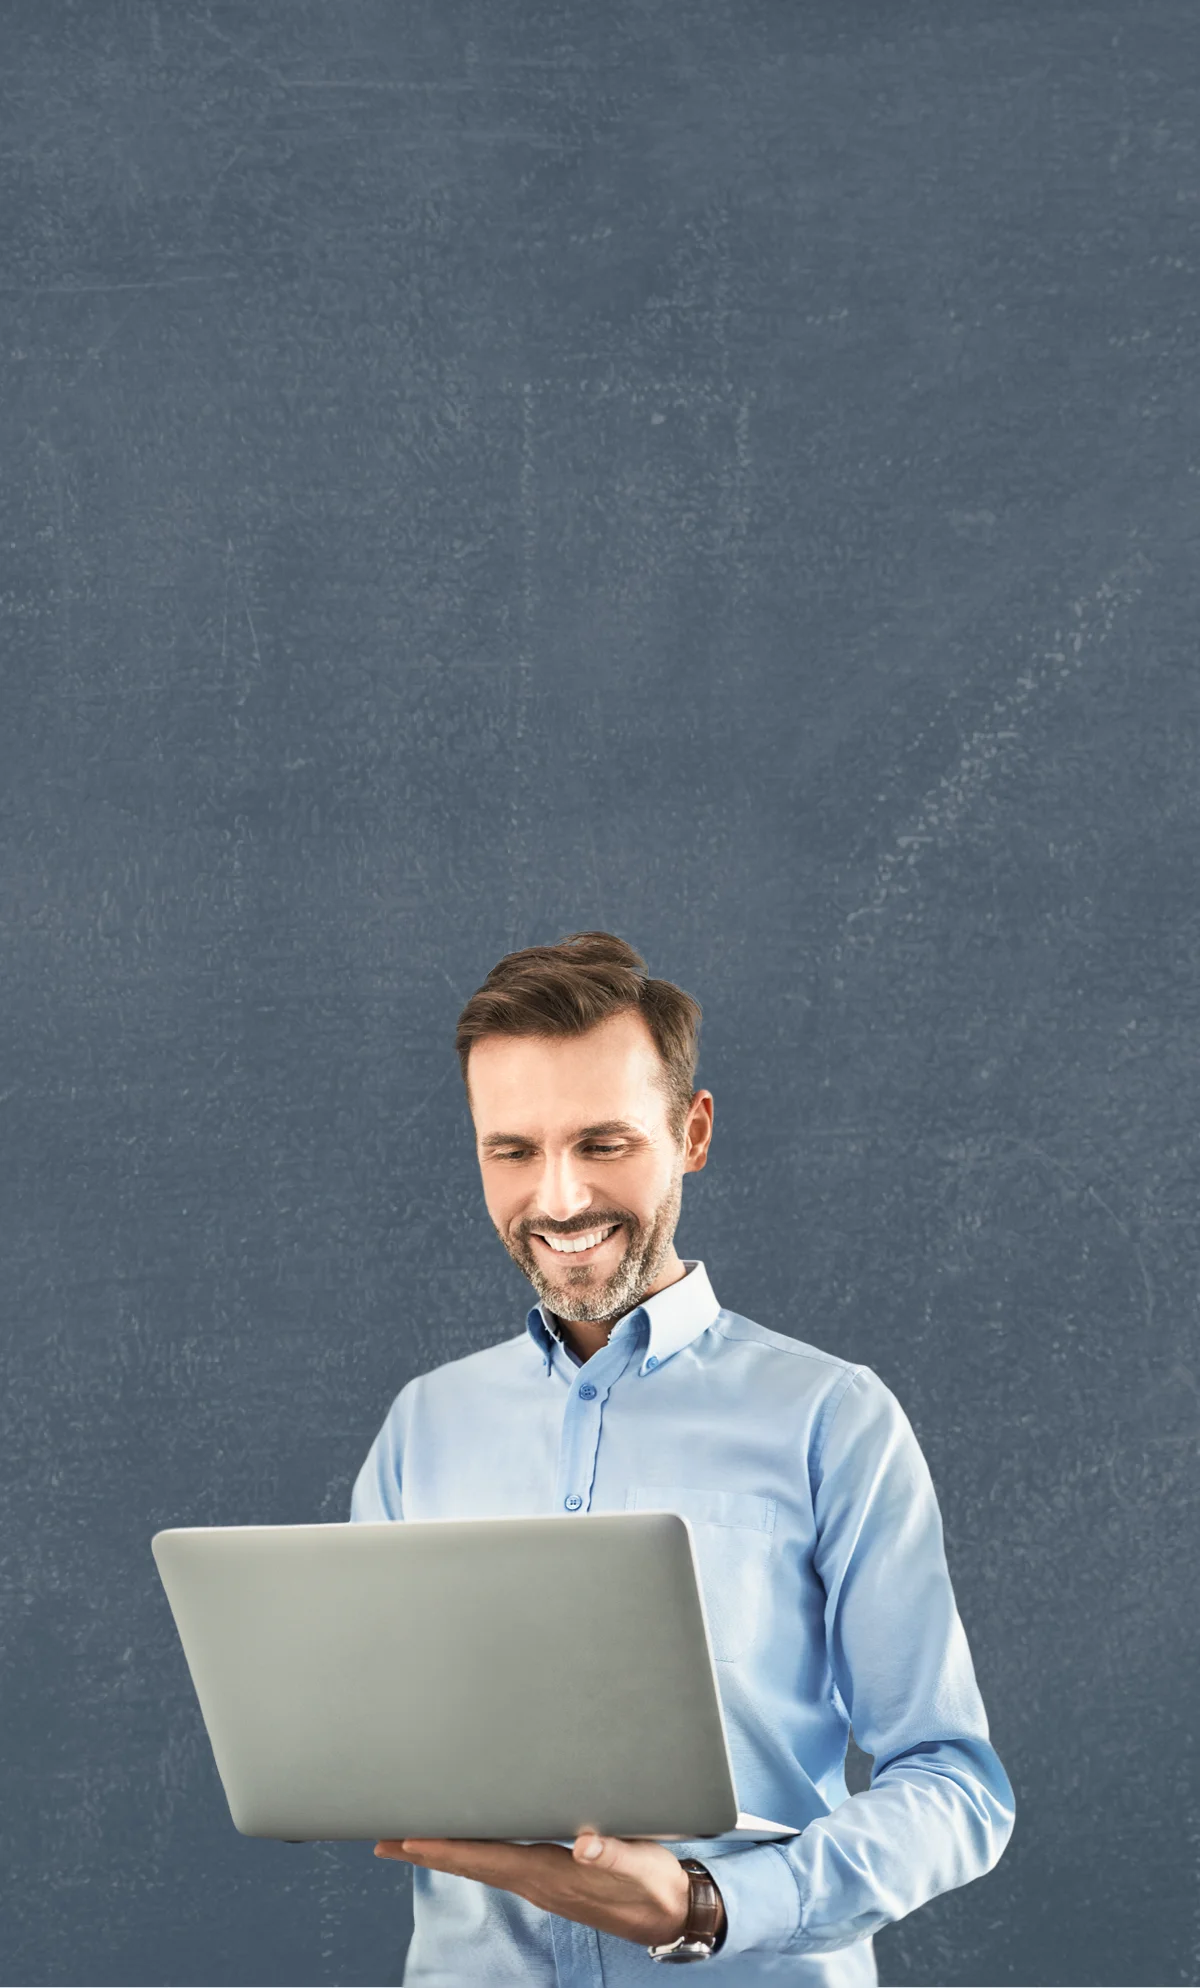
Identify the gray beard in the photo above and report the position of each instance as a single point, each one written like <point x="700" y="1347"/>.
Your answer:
<point x="646" y="1251"/>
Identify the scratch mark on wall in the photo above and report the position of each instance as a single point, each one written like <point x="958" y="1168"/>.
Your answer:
<point x="100" y="289"/>
<point x="225" y="608"/>
<point x="253" y="632"/>
<point x="62" y="553"/>
<point x="991" y="745"/>
<point x="246" y="677"/>
<point x="240" y="678"/>
<point x="437" y="85"/>
<point x="94" y="351"/>
<point x="734" y="475"/>
<point x="415" y="1113"/>
<point x="1085" y="1187"/>
<point x="522" y="689"/>
<point x="590" y="832"/>
<point x="738" y="501"/>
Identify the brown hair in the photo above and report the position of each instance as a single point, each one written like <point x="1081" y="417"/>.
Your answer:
<point x="568" y="988"/>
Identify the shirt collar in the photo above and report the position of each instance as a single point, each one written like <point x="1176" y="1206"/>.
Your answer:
<point x="674" y="1317"/>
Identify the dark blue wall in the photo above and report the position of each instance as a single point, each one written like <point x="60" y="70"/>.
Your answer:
<point x="725" y="472"/>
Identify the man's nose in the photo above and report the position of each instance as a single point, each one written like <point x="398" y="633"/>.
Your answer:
<point x="562" y="1191"/>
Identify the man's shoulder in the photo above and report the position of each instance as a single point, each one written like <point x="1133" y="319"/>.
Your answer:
<point x="826" y="1386"/>
<point x="813" y="1361"/>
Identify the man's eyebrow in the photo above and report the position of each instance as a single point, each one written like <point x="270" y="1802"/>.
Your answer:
<point x="605" y="1126"/>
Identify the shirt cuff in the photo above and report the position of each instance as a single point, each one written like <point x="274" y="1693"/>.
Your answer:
<point x="762" y="1901"/>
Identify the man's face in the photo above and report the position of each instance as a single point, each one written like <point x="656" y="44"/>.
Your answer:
<point x="573" y="1142"/>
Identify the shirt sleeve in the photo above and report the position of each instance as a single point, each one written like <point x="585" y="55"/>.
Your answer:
<point x="378" y="1488"/>
<point x="940" y="1807"/>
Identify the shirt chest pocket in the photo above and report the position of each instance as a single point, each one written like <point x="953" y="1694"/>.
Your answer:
<point x="732" y="1533"/>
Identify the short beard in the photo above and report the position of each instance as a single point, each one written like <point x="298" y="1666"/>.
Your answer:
<point x="646" y="1250"/>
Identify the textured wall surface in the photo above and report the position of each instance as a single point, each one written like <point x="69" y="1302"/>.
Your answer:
<point x="726" y="472"/>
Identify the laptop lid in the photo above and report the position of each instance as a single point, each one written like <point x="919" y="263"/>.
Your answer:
<point x="512" y="1678"/>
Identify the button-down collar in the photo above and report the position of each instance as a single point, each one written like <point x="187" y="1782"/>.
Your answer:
<point x="671" y="1319"/>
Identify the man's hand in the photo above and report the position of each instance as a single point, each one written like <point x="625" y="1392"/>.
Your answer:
<point x="633" y="1887"/>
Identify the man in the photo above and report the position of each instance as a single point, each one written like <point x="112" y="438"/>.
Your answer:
<point x="818" y="1535"/>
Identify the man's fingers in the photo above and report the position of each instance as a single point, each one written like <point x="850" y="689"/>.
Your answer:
<point x="639" y="1891"/>
<point x="509" y="1863"/>
<point x="436" y="1850"/>
<point x="503" y="1864"/>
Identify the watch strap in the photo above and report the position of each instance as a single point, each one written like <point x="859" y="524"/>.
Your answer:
<point x="699" y="1936"/>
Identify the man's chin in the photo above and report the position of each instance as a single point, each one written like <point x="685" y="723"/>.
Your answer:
<point x="580" y="1305"/>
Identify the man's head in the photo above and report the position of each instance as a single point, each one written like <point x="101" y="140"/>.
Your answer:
<point x="579" y="1071"/>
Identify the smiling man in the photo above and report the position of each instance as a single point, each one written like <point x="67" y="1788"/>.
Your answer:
<point x="817" y="1529"/>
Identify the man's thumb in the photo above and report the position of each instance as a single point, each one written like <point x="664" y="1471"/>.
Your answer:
<point x="600" y="1851"/>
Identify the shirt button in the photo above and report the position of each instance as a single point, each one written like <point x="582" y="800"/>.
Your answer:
<point x="573" y="1502"/>
<point x="651" y="1363"/>
<point x="587" y="1392"/>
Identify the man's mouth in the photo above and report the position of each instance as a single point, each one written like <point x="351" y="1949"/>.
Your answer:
<point x="580" y="1247"/>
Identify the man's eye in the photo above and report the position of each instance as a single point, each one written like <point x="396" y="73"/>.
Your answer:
<point x="521" y="1152"/>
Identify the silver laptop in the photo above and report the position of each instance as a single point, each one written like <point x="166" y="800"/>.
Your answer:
<point x="513" y="1678"/>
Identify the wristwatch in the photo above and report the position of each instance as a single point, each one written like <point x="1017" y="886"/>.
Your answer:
<point x="699" y="1937"/>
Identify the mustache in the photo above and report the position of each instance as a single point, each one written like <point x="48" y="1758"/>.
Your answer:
<point x="576" y="1228"/>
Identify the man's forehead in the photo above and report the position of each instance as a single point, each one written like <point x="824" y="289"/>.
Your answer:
<point x="604" y="1076"/>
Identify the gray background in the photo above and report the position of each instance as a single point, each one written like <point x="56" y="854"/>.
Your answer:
<point x="723" y="472"/>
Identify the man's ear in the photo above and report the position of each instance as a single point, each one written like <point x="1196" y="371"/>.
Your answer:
<point x="698" y="1132"/>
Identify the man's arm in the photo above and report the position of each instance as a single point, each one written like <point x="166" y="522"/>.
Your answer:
<point x="940" y="1807"/>
<point x="377" y="1492"/>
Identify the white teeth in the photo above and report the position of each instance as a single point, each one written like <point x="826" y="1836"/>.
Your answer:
<point x="570" y="1246"/>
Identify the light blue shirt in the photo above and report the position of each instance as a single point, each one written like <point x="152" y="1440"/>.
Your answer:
<point x="819" y="1544"/>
